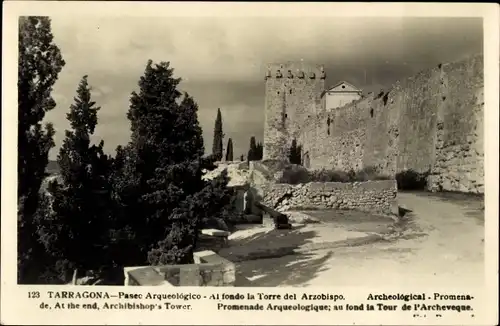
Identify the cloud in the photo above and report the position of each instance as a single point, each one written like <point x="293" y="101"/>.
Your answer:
<point x="222" y="60"/>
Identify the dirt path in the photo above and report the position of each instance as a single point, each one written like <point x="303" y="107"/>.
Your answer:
<point x="442" y="244"/>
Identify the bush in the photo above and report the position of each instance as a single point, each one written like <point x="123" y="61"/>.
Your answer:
<point x="330" y="176"/>
<point x="370" y="173"/>
<point x="296" y="175"/>
<point x="412" y="180"/>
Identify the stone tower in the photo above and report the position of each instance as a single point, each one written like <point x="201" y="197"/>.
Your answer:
<point x="293" y="93"/>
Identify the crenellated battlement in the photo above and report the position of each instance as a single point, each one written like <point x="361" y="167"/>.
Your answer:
<point x="293" y="93"/>
<point x="291" y="70"/>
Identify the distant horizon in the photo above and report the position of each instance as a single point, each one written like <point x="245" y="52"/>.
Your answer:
<point x="222" y="61"/>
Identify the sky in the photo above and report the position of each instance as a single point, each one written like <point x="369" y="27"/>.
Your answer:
<point x="222" y="61"/>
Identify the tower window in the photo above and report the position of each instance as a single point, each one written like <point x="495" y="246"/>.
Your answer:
<point x="371" y="113"/>
<point x="286" y="115"/>
<point x="290" y="91"/>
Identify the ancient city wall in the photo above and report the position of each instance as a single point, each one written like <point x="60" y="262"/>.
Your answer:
<point x="430" y="122"/>
<point x="371" y="196"/>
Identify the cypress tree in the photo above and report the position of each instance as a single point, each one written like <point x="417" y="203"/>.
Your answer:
<point x="259" y="151"/>
<point x="295" y="153"/>
<point x="252" y="152"/>
<point x="161" y="194"/>
<point x="217" y="149"/>
<point x="229" y="150"/>
<point x="40" y="62"/>
<point x="78" y="233"/>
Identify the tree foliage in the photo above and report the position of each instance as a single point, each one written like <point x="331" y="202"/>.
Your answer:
<point x="146" y="204"/>
<point x="40" y="62"/>
<point x="229" y="150"/>
<point x="295" y="154"/>
<point x="217" y="150"/>
<point x="255" y="151"/>
<point x="78" y="231"/>
<point x="160" y="187"/>
<point x="259" y="151"/>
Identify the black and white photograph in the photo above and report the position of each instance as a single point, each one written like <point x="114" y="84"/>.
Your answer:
<point x="251" y="151"/>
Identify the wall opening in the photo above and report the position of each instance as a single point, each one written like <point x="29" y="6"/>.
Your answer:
<point x="278" y="92"/>
<point x="371" y="112"/>
<point x="290" y="91"/>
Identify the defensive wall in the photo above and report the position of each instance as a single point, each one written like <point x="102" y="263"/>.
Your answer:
<point x="371" y="196"/>
<point x="430" y="122"/>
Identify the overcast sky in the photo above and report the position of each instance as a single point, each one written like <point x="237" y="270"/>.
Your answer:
<point x="222" y="61"/>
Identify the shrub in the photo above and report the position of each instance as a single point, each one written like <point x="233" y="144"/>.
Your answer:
<point x="329" y="176"/>
<point x="370" y="173"/>
<point x="412" y="180"/>
<point x="297" y="175"/>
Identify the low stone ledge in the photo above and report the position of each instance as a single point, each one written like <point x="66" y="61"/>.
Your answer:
<point x="378" y="196"/>
<point x="209" y="269"/>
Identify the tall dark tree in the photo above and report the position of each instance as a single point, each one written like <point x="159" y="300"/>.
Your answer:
<point x="78" y="232"/>
<point x="259" y="151"/>
<point x="217" y="150"/>
<point x="40" y="62"/>
<point x="160" y="188"/>
<point x="229" y="150"/>
<point x="252" y="152"/>
<point x="295" y="153"/>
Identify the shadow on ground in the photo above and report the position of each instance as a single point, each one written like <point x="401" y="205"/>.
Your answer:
<point x="273" y="261"/>
<point x="291" y="270"/>
<point x="267" y="244"/>
<point x="352" y="220"/>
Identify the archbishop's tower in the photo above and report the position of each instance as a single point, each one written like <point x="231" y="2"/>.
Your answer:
<point x="293" y="93"/>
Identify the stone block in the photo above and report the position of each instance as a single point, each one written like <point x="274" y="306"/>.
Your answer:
<point x="316" y="186"/>
<point x="143" y="276"/>
<point x="209" y="269"/>
<point x="190" y="275"/>
<point x="229" y="277"/>
<point x="215" y="232"/>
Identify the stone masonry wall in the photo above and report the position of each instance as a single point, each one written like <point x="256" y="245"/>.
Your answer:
<point x="293" y="94"/>
<point x="371" y="196"/>
<point x="430" y="122"/>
